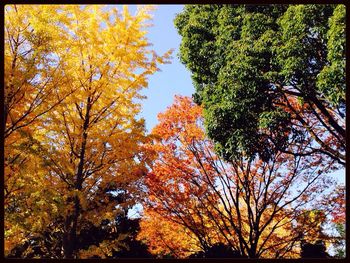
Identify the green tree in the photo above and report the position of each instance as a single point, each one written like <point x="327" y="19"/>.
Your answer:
<point x="339" y="243"/>
<point x="270" y="78"/>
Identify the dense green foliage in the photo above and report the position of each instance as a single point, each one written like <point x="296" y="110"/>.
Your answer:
<point x="248" y="61"/>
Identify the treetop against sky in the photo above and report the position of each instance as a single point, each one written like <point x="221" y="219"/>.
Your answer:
<point x="225" y="122"/>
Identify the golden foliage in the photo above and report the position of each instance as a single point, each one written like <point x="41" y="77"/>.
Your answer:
<point x="73" y="78"/>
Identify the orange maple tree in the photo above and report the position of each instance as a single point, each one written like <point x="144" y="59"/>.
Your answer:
<point x="254" y="207"/>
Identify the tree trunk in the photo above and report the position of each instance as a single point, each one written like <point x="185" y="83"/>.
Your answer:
<point x="70" y="236"/>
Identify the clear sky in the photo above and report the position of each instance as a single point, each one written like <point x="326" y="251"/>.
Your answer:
<point x="173" y="78"/>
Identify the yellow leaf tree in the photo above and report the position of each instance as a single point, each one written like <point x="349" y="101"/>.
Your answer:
<point x="89" y="144"/>
<point x="34" y="81"/>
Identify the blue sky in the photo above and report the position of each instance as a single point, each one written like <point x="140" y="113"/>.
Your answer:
<point x="173" y="78"/>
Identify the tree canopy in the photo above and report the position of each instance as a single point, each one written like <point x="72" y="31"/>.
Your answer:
<point x="255" y="208"/>
<point x="249" y="61"/>
<point x="240" y="171"/>
<point x="73" y="157"/>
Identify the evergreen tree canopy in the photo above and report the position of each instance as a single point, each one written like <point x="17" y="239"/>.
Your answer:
<point x="270" y="77"/>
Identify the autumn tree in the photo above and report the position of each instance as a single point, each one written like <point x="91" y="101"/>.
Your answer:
<point x="248" y="62"/>
<point x="33" y="80"/>
<point x="258" y="208"/>
<point x="31" y="76"/>
<point x="122" y="228"/>
<point x="335" y="235"/>
<point x="337" y="198"/>
<point x="88" y="147"/>
<point x="32" y="72"/>
<point x="166" y="238"/>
